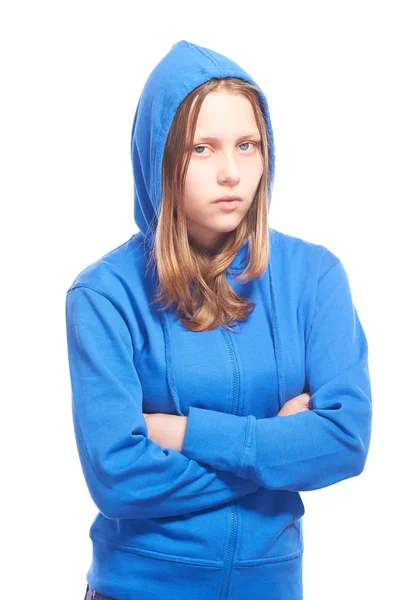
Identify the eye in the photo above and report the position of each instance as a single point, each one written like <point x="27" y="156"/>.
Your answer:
<point x="196" y="148"/>
<point x="247" y="143"/>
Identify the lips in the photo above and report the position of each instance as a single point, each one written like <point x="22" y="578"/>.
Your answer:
<point x="228" y="199"/>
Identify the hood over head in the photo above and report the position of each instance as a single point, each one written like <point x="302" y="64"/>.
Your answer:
<point x="184" y="68"/>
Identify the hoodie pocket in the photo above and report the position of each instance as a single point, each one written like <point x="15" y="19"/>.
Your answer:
<point x="269" y="525"/>
<point x="195" y="537"/>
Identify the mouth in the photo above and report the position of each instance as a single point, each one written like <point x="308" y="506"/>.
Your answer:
<point x="227" y="199"/>
<point x="228" y="203"/>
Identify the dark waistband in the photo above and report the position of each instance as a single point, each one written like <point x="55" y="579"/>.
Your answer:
<point x="92" y="594"/>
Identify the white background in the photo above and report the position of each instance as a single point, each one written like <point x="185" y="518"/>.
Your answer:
<point x="71" y="74"/>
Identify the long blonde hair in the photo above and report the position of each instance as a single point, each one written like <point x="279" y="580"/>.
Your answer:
<point x="189" y="279"/>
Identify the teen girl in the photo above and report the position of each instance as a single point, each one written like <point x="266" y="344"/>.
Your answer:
<point x="218" y="366"/>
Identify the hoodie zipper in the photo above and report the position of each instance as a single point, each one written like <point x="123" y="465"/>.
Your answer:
<point x="233" y="505"/>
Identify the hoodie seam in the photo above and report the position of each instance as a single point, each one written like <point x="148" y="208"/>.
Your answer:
<point x="107" y="297"/>
<point x="215" y="64"/>
<point x="164" y="556"/>
<point x="316" y="295"/>
<point x="247" y="443"/>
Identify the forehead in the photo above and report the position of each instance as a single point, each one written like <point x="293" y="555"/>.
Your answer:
<point x="223" y="112"/>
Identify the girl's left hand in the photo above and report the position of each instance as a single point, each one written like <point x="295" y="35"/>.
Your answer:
<point x="167" y="431"/>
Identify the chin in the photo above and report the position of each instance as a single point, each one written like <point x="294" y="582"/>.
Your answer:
<point x="227" y="227"/>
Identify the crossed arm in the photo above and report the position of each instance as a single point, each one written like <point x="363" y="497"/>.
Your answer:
<point x="168" y="431"/>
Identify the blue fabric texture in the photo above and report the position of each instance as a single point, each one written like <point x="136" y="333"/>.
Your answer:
<point x="224" y="517"/>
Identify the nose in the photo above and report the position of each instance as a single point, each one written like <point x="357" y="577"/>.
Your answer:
<point x="228" y="171"/>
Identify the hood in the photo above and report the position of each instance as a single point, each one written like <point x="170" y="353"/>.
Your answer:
<point x="185" y="67"/>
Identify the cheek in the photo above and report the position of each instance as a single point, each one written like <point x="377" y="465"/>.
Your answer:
<point x="256" y="168"/>
<point x="197" y="169"/>
<point x="254" y="174"/>
<point x="196" y="181"/>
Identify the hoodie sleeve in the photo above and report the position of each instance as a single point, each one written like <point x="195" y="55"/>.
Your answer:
<point x="314" y="448"/>
<point x="128" y="475"/>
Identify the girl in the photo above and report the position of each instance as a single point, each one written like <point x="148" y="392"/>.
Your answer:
<point x="218" y="366"/>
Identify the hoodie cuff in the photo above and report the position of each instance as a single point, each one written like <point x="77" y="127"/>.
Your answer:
<point x="216" y="438"/>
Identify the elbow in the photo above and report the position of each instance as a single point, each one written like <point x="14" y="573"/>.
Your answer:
<point x="116" y="499"/>
<point x="112" y="505"/>
<point x="110" y="487"/>
<point x="364" y="446"/>
<point x="109" y="496"/>
<point x="359" y="457"/>
<point x="106" y="502"/>
<point x="108" y="514"/>
<point x="360" y="442"/>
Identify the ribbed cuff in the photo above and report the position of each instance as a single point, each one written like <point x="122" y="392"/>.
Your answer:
<point x="216" y="438"/>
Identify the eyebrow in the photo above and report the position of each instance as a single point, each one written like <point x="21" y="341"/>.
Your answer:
<point x="215" y="139"/>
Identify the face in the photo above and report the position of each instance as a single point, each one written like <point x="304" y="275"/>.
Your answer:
<point x="226" y="160"/>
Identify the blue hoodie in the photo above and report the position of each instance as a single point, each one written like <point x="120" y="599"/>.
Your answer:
<point x="223" y="518"/>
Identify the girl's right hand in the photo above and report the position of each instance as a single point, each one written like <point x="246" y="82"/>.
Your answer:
<point x="295" y="405"/>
